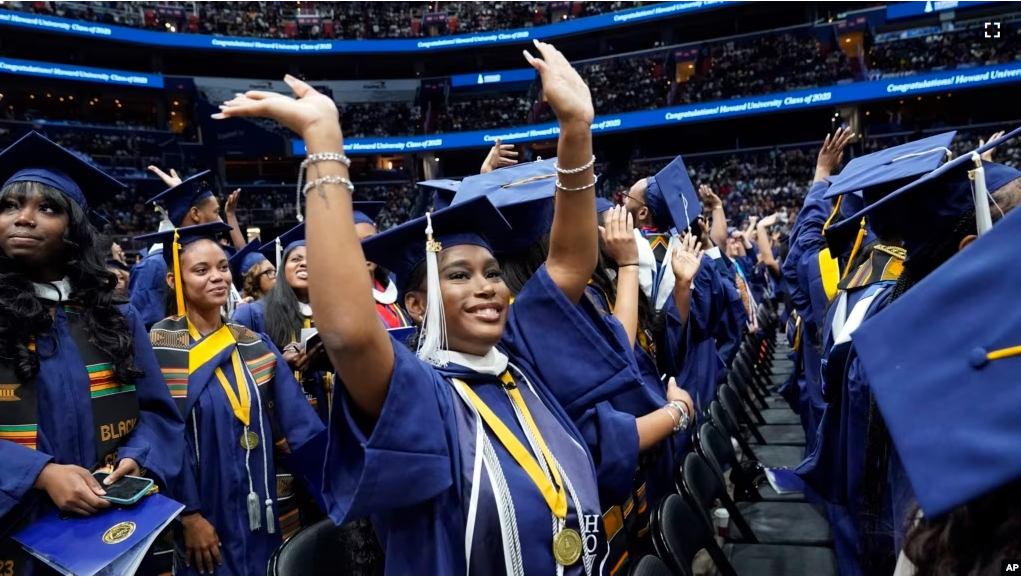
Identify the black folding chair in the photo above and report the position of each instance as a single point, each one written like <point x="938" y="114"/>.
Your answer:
<point x="748" y="476"/>
<point x="766" y="434"/>
<point x="651" y="565"/>
<point x="325" y="549"/>
<point x="768" y="455"/>
<point x="774" y="523"/>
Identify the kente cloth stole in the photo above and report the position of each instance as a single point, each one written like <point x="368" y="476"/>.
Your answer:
<point x="174" y="351"/>
<point x="114" y="405"/>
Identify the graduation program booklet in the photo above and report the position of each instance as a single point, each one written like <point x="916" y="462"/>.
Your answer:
<point x="321" y="362"/>
<point x="784" y="481"/>
<point x="113" y="542"/>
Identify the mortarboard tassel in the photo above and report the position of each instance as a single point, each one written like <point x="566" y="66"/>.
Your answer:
<point x="432" y="345"/>
<point x="983" y="218"/>
<point x="280" y="255"/>
<point x="857" y="245"/>
<point x="178" y="289"/>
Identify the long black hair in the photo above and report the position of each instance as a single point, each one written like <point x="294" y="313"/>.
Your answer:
<point x="23" y="316"/>
<point x="282" y="308"/>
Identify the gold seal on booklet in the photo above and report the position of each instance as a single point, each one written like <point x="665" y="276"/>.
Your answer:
<point x="249" y="440"/>
<point x="118" y="533"/>
<point x="567" y="547"/>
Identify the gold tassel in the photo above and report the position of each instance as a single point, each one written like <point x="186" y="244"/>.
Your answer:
<point x="177" y="274"/>
<point x="854" y="251"/>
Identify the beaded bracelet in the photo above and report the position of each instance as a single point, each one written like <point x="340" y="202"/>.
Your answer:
<point x="561" y="186"/>
<point x="590" y="164"/>
<point x="312" y="159"/>
<point x="329" y="179"/>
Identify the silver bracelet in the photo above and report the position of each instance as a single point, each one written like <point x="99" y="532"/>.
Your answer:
<point x="561" y="186"/>
<point x="312" y="159"/>
<point x="590" y="164"/>
<point x="682" y="409"/>
<point x="326" y="156"/>
<point x="329" y="179"/>
<point x="676" y="420"/>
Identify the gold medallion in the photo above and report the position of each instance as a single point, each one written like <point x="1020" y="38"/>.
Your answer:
<point x="567" y="547"/>
<point x="249" y="440"/>
<point x="118" y="533"/>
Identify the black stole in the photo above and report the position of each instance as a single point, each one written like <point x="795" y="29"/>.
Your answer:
<point x="114" y="404"/>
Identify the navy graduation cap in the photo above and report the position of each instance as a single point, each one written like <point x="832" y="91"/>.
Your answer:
<point x="603" y="204"/>
<point x="35" y="158"/>
<point x="177" y="239"/>
<point x="948" y="393"/>
<point x="403" y="248"/>
<point x="671" y="197"/>
<point x="846" y="236"/>
<point x="443" y="191"/>
<point x="283" y="244"/>
<point x="523" y="193"/>
<point x="925" y="209"/>
<point x="245" y="259"/>
<point x="883" y="171"/>
<point x="178" y="200"/>
<point x="365" y="212"/>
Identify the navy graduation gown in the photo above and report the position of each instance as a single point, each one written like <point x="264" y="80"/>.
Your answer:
<point x="65" y="434"/>
<point x="147" y="285"/>
<point x="426" y="433"/>
<point x="639" y="401"/>
<point x="217" y="485"/>
<point x="253" y="316"/>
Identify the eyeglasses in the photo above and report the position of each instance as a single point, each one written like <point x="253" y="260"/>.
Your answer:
<point x="638" y="200"/>
<point x="269" y="273"/>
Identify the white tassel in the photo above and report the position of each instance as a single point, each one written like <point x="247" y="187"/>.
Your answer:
<point x="280" y="256"/>
<point x="433" y="344"/>
<point x="271" y="527"/>
<point x="983" y="217"/>
<point x="254" y="515"/>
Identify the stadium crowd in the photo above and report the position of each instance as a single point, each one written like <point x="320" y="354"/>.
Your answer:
<point x="946" y="49"/>
<point x="341" y="20"/>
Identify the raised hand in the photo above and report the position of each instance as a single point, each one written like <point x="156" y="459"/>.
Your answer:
<point x="232" y="202"/>
<point x="708" y="197"/>
<point x="500" y="155"/>
<point x="988" y="155"/>
<point x="566" y="92"/>
<point x="171" y="180"/>
<point x="832" y="152"/>
<point x="619" y="237"/>
<point x="310" y="110"/>
<point x="768" y="221"/>
<point x="686" y="259"/>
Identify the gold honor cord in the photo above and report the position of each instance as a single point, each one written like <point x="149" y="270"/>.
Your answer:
<point x="567" y="542"/>
<point x="240" y="402"/>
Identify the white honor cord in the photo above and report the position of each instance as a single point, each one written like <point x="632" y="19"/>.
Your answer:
<point x="513" y="560"/>
<point x="473" y="503"/>
<point x="558" y="524"/>
<point x="270" y="521"/>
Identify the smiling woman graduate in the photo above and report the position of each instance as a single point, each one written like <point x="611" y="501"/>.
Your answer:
<point x="79" y="384"/>
<point x="466" y="462"/>
<point x="244" y="414"/>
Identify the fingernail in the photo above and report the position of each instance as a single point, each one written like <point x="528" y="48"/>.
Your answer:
<point x="528" y="56"/>
<point x="535" y="41"/>
<point x="106" y="481"/>
<point x="222" y="107"/>
<point x="218" y="116"/>
<point x="102" y="492"/>
<point x="289" y="79"/>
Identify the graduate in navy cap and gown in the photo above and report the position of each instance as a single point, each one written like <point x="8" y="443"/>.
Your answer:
<point x="253" y="273"/>
<point x="503" y="483"/>
<point x="384" y="290"/>
<point x="948" y="397"/>
<point x="933" y="215"/>
<point x="244" y="414"/>
<point x="81" y="385"/>
<point x="524" y="195"/>
<point x="285" y="312"/>
<point x="188" y="203"/>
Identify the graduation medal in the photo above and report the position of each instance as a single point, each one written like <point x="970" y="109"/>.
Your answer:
<point x="567" y="547"/>
<point x="249" y="440"/>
